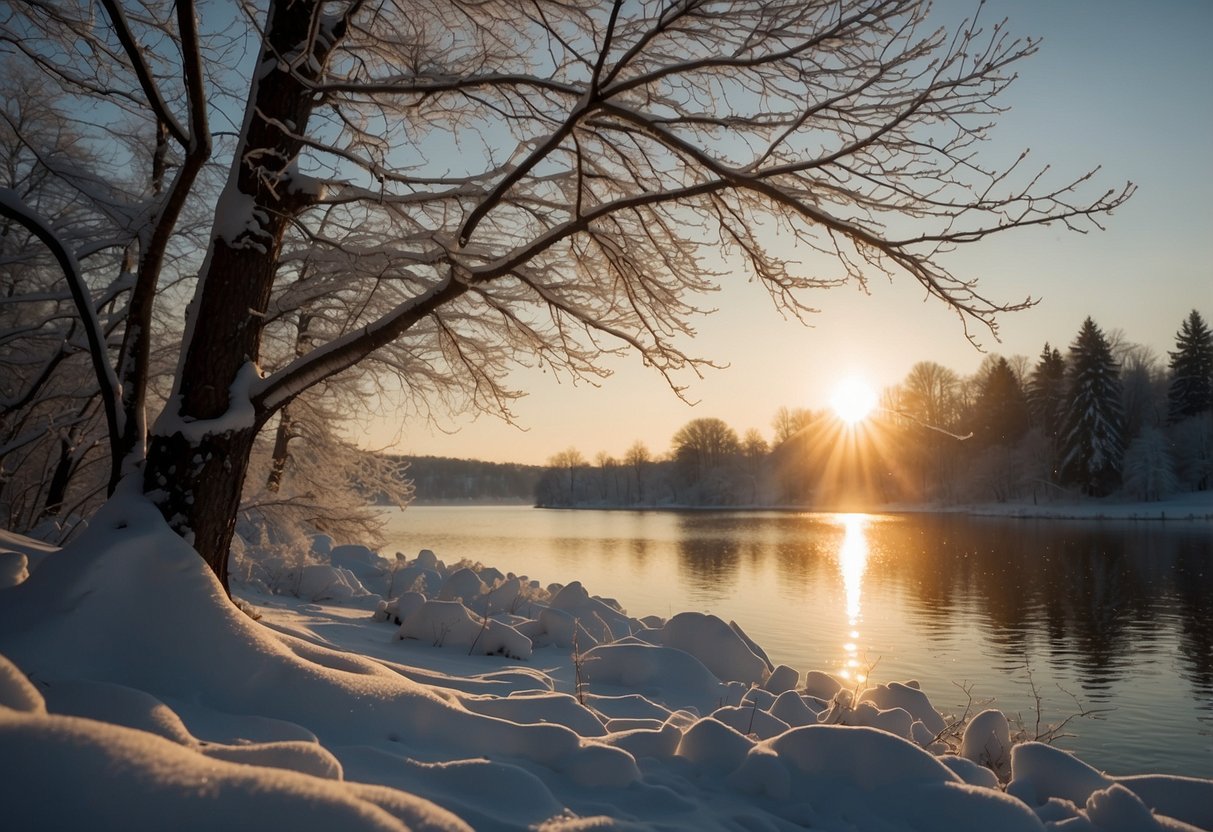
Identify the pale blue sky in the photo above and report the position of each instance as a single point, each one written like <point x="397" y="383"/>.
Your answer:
<point x="1126" y="85"/>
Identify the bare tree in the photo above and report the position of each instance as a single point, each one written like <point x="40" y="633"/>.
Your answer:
<point x="639" y="460"/>
<point x="928" y="405"/>
<point x="52" y="422"/>
<point x="790" y="421"/>
<point x="608" y="152"/>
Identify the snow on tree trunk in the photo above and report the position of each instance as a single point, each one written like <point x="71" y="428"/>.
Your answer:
<point x="196" y="484"/>
<point x="195" y="475"/>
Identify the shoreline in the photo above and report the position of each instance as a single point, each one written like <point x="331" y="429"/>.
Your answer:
<point x="1192" y="507"/>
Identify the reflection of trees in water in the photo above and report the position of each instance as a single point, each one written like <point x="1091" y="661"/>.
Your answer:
<point x="1092" y="591"/>
<point x="1194" y="578"/>
<point x="708" y="562"/>
<point x="712" y="547"/>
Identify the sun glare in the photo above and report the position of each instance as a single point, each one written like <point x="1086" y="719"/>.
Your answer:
<point x="853" y="400"/>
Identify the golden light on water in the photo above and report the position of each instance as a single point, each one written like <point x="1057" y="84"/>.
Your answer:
<point x="853" y="563"/>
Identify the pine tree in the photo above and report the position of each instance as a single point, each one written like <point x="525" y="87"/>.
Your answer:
<point x="1092" y="442"/>
<point x="1046" y="399"/>
<point x="1002" y="408"/>
<point x="1191" y="389"/>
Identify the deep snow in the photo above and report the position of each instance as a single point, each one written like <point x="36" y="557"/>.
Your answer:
<point x="134" y="695"/>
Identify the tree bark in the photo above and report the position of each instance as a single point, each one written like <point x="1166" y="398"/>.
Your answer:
<point x="57" y="491"/>
<point x="194" y="470"/>
<point x="281" y="453"/>
<point x="284" y="435"/>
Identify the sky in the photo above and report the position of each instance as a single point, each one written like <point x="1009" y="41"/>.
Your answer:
<point x="1124" y="85"/>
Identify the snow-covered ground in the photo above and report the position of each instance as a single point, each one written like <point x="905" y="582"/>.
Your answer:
<point x="133" y="695"/>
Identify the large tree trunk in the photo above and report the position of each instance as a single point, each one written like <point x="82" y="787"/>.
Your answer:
<point x="199" y="483"/>
<point x="198" y="456"/>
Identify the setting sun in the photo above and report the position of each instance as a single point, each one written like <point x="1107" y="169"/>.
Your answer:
<point x="853" y="400"/>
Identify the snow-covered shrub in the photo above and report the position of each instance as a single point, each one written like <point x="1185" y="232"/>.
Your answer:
<point x="325" y="485"/>
<point x="1149" y="470"/>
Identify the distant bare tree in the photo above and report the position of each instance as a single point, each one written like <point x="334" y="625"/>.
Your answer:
<point x="754" y="452"/>
<point x="639" y="460"/>
<point x="928" y="404"/>
<point x="608" y="155"/>
<point x="790" y="421"/>
<point x="561" y="484"/>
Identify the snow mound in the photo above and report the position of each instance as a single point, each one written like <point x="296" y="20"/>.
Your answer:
<point x="602" y="621"/>
<point x="16" y="692"/>
<point x="1055" y="781"/>
<point x="863" y="778"/>
<point x="987" y="742"/>
<point x="909" y="699"/>
<point x="451" y="624"/>
<point x="717" y="645"/>
<point x="671" y="677"/>
<point x="121" y="778"/>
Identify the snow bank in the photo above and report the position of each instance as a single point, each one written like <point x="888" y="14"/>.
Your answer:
<point x="136" y="696"/>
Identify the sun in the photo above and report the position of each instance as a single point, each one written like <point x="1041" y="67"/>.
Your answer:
<point x="853" y="400"/>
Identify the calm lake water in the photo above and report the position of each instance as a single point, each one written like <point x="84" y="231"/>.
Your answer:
<point x="1117" y="614"/>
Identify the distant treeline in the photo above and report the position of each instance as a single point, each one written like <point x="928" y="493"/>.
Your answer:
<point x="439" y="479"/>
<point x="1106" y="417"/>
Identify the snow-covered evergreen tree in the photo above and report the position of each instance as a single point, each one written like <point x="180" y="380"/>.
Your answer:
<point x="1191" y="389"/>
<point x="1149" y="470"/>
<point x="1092" y="440"/>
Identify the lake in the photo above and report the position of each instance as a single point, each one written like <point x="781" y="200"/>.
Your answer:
<point x="1117" y="616"/>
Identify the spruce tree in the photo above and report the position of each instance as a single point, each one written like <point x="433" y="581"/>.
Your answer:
<point x="1046" y="399"/>
<point x="1191" y="388"/>
<point x="1092" y="441"/>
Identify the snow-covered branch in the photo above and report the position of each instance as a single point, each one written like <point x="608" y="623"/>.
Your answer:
<point x="12" y="207"/>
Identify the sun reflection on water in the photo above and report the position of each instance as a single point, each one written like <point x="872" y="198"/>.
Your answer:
<point x="852" y="563"/>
